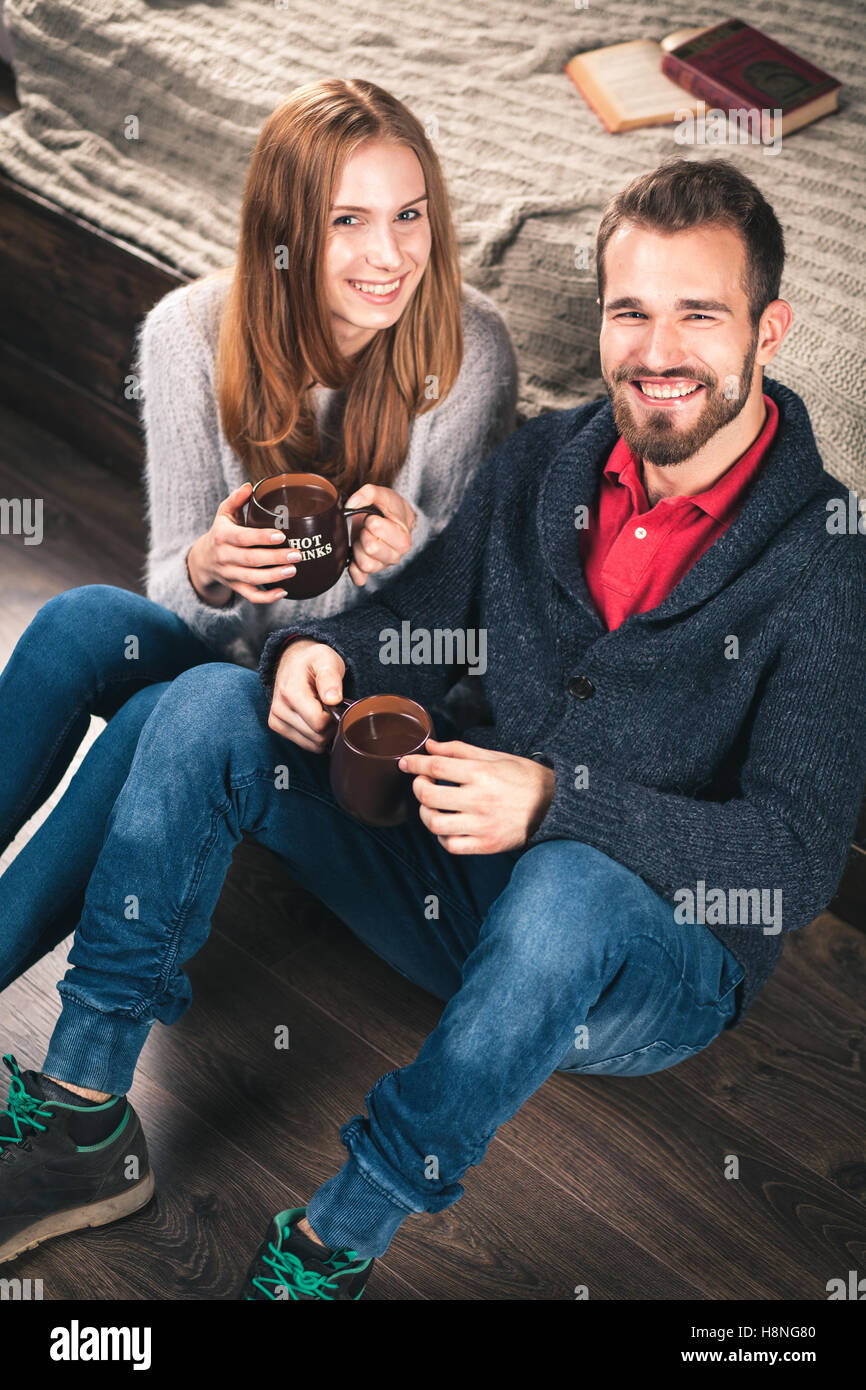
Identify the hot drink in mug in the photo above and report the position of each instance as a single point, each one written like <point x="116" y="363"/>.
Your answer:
<point x="372" y="735"/>
<point x="307" y="509"/>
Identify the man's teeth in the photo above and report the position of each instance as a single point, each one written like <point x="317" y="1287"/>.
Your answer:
<point x="666" y="393"/>
<point x="374" y="288"/>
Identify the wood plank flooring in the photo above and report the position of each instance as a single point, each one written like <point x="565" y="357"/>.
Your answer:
<point x="614" y="1183"/>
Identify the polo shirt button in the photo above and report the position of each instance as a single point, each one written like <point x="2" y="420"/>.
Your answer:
<point x="640" y="532"/>
<point x="581" y="687"/>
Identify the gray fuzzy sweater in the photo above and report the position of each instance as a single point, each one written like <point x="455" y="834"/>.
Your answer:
<point x="190" y="467"/>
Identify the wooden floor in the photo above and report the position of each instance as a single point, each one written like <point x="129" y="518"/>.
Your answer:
<point x="613" y="1183"/>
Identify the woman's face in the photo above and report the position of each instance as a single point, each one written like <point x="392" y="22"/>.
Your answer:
<point x="378" y="241"/>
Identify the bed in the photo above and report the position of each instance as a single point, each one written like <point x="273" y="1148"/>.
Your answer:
<point x="528" y="164"/>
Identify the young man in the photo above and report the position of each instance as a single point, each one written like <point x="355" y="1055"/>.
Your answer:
<point x="675" y="647"/>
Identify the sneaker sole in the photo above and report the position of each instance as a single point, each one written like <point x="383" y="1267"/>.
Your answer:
<point x="62" y="1223"/>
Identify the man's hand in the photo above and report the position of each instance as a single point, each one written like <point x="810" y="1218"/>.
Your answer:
<point x="499" y="802"/>
<point x="309" y="678"/>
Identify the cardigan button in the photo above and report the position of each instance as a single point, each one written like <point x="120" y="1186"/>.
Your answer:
<point x="541" y="758"/>
<point x="581" y="687"/>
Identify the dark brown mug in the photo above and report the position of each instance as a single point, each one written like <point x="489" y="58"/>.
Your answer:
<point x="373" y="733"/>
<point x="307" y="508"/>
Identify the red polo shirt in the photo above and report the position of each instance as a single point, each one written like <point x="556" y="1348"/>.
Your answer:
<point x="634" y="555"/>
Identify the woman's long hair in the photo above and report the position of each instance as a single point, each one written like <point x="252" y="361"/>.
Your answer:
<point x="276" y="331"/>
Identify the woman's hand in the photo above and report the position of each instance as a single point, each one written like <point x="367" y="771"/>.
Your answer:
<point x="382" y="540"/>
<point x="233" y="557"/>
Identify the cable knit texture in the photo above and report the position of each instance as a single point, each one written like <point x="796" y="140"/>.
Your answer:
<point x="529" y="164"/>
<point x="191" y="469"/>
<point x="745" y="772"/>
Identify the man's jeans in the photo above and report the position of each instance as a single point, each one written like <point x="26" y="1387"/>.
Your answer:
<point x="557" y="958"/>
<point x="75" y="659"/>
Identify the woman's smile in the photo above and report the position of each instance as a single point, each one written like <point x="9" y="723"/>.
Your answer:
<point x="379" y="291"/>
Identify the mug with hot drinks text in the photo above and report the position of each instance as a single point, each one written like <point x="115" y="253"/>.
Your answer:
<point x="307" y="508"/>
<point x="372" y="734"/>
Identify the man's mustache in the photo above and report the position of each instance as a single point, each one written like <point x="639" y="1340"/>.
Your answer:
<point x="680" y="373"/>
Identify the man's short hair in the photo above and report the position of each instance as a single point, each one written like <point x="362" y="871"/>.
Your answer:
<point x="686" y="193"/>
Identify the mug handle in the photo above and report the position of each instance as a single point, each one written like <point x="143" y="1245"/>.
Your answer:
<point x="371" y="510"/>
<point x="338" y="711"/>
<point x="340" y="708"/>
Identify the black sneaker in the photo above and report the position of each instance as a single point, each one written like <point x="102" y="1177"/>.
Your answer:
<point x="288" y="1265"/>
<point x="64" y="1166"/>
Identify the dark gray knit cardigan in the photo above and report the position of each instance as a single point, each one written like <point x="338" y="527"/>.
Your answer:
<point x="735" y="772"/>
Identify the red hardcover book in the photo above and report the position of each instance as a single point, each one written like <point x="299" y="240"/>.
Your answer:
<point x="733" y="66"/>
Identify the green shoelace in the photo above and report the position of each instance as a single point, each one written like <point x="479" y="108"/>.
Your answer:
<point x="290" y="1273"/>
<point x="21" y="1108"/>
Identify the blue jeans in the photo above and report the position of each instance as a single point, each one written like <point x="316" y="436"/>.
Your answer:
<point x="75" y="659"/>
<point x="557" y="958"/>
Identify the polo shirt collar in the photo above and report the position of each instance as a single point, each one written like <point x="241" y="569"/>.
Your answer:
<point x="791" y="474"/>
<point x="723" y="500"/>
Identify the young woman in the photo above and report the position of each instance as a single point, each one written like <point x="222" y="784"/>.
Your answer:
<point x="340" y="343"/>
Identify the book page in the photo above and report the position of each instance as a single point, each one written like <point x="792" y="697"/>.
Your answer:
<point x="630" y="76"/>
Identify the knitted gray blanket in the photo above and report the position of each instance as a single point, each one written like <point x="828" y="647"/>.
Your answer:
<point x="528" y="164"/>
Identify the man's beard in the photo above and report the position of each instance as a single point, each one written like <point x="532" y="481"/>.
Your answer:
<point x="659" y="440"/>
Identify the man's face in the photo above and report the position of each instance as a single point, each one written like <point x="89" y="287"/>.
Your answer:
<point x="677" y="342"/>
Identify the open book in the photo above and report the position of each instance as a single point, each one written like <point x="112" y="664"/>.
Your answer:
<point x="731" y="67"/>
<point x="625" y="85"/>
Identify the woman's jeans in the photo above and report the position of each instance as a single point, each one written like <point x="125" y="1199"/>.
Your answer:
<point x="92" y="650"/>
<point x="556" y="958"/>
